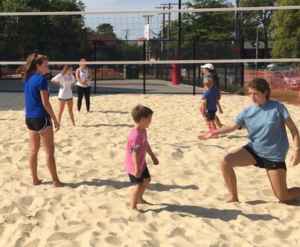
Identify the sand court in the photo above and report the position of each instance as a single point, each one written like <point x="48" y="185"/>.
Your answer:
<point x="187" y="188"/>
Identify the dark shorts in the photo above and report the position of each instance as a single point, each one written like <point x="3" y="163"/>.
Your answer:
<point x="210" y="115"/>
<point x="144" y="175"/>
<point x="38" y="124"/>
<point x="65" y="99"/>
<point x="264" y="163"/>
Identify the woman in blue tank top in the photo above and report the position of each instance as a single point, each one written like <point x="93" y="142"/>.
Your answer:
<point x="39" y="115"/>
<point x="267" y="147"/>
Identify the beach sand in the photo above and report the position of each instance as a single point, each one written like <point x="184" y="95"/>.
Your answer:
<point x="187" y="188"/>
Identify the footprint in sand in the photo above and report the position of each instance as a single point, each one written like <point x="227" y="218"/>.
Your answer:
<point x="7" y="209"/>
<point x="112" y="240"/>
<point x="26" y="200"/>
<point x="12" y="218"/>
<point x="178" y="154"/>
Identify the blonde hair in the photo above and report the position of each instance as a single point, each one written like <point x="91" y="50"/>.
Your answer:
<point x="65" y="68"/>
<point x="31" y="62"/>
<point x="207" y="82"/>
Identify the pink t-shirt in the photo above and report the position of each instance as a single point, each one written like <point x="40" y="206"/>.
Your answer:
<point x="137" y="140"/>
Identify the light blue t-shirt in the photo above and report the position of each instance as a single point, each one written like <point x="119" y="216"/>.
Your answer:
<point x="266" y="127"/>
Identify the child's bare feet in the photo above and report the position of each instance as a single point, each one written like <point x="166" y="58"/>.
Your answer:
<point x="135" y="210"/>
<point x="232" y="199"/>
<point x="142" y="201"/>
<point x="58" y="184"/>
<point x="37" y="182"/>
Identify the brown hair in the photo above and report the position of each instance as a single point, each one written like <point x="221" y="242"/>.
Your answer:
<point x="261" y="85"/>
<point x="139" y="112"/>
<point x="216" y="77"/>
<point x="208" y="82"/>
<point x="31" y="62"/>
<point x="65" y="68"/>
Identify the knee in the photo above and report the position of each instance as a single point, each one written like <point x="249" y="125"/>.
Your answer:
<point x="50" y="150"/>
<point x="224" y="162"/>
<point x="34" y="152"/>
<point x="147" y="181"/>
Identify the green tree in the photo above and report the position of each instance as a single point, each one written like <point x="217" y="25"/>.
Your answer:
<point x="251" y="20"/>
<point x="56" y="36"/>
<point x="285" y="27"/>
<point x="106" y="28"/>
<point x="205" y="26"/>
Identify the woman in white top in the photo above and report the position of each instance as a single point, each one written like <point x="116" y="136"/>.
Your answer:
<point x="65" y="80"/>
<point x="84" y="75"/>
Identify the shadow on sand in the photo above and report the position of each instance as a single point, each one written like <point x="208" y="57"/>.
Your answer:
<point x="123" y="184"/>
<point x="210" y="213"/>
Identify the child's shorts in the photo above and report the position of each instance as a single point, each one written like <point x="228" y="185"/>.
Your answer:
<point x="264" y="163"/>
<point x="135" y="180"/>
<point x="210" y="115"/>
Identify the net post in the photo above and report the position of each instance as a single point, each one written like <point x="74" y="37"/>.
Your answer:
<point x="242" y="56"/>
<point x="225" y="73"/>
<point x="95" y="70"/>
<point x="194" y="68"/>
<point x="144" y="67"/>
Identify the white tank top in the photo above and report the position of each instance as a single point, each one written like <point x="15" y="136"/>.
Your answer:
<point x="83" y="75"/>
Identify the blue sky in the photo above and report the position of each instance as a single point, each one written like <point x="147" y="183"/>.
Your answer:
<point x="133" y="24"/>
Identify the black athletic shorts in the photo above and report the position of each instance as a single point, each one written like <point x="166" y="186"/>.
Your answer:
<point x="38" y="124"/>
<point x="264" y="163"/>
<point x="210" y="115"/>
<point x="135" y="180"/>
<point x="65" y="99"/>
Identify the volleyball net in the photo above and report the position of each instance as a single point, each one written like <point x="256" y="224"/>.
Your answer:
<point x="133" y="51"/>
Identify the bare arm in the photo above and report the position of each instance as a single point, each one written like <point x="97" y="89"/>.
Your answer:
<point x="295" y="135"/>
<point x="48" y="107"/>
<point x="203" y="108"/>
<point x="91" y="75"/>
<point x="78" y="77"/>
<point x="56" y="83"/>
<point x="135" y="159"/>
<point x="152" y="155"/>
<point x="219" y="106"/>
<point x="224" y="130"/>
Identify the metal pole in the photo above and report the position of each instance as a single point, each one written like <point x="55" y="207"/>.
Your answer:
<point x="144" y="67"/>
<point x="194" y="69"/>
<point x="242" y="56"/>
<point x="95" y="69"/>
<point x="179" y="26"/>
<point x="257" y="44"/>
<point x="236" y="37"/>
<point x="179" y="34"/>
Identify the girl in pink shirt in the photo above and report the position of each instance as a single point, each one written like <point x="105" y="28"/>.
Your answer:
<point x="137" y="147"/>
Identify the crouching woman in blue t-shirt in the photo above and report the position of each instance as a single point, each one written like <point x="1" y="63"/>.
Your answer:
<point x="267" y="145"/>
<point x="39" y="114"/>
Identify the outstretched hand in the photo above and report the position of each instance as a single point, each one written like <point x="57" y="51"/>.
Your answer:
<point x="295" y="159"/>
<point x="206" y="135"/>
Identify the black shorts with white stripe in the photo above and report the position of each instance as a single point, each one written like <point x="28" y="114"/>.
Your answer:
<point x="38" y="124"/>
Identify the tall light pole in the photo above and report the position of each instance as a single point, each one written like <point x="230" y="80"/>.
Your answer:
<point x="179" y="25"/>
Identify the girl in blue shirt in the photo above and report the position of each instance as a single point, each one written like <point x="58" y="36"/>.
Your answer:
<point x="38" y="115"/>
<point x="267" y="146"/>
